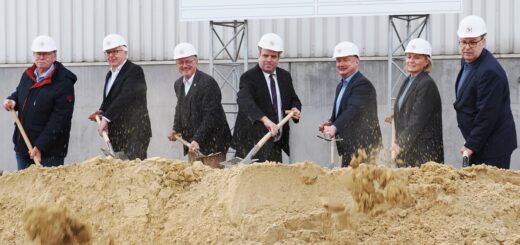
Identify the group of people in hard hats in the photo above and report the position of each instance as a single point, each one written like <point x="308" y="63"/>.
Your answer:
<point x="44" y="100"/>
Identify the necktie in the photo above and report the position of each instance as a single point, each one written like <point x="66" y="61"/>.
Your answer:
<point x="401" y="99"/>
<point x="274" y="98"/>
<point x="465" y="73"/>
<point x="340" y="95"/>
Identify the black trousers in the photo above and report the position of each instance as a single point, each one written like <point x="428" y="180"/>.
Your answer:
<point x="133" y="146"/>
<point x="502" y="161"/>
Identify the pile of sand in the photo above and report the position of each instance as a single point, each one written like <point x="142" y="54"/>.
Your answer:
<point x="159" y="201"/>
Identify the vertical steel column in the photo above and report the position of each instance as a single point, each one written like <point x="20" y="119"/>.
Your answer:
<point x="394" y="58"/>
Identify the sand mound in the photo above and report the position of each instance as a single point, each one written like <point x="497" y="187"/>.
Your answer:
<point x="159" y="201"/>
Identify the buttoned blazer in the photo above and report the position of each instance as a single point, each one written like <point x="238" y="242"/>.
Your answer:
<point x="483" y="109"/>
<point x="254" y="102"/>
<point x="199" y="114"/>
<point x="418" y="122"/>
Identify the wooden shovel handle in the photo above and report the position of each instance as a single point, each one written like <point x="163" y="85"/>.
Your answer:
<point x="392" y="152"/>
<point x="24" y="135"/>
<point x="183" y="141"/>
<point x="187" y="144"/>
<point x="280" y="124"/>
<point x="104" y="133"/>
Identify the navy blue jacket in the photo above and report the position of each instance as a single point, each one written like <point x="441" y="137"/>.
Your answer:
<point x="357" y="123"/>
<point x="484" y="109"/>
<point x="45" y="110"/>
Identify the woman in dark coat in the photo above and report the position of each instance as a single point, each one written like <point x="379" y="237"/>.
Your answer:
<point x="417" y="111"/>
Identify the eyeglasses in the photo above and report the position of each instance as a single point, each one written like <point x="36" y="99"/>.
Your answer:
<point x="184" y="62"/>
<point x="114" y="52"/>
<point x="44" y="54"/>
<point x="471" y="44"/>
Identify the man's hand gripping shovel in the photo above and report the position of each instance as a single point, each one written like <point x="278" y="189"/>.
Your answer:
<point x="198" y="154"/>
<point x="249" y="157"/>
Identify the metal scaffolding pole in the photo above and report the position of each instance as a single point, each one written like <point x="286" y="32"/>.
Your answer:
<point x="415" y="26"/>
<point x="227" y="40"/>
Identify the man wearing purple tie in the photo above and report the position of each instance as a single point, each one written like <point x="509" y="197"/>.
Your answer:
<point x="265" y="92"/>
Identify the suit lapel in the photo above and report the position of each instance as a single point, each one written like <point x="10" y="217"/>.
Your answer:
<point x="413" y="86"/>
<point x="106" y="83"/>
<point x="120" y="75"/>
<point x="350" y="85"/>
<point x="281" y="87"/>
<point x="193" y="90"/>
<point x="467" y="81"/>
<point x="262" y="84"/>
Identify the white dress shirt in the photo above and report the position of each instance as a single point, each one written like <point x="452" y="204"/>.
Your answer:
<point x="113" y="77"/>
<point x="187" y="84"/>
<point x="279" y="100"/>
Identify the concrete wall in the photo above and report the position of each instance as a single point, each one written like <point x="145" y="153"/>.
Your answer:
<point x="314" y="81"/>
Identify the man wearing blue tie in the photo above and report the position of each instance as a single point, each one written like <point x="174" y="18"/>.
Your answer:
<point x="354" y="112"/>
<point x="483" y="105"/>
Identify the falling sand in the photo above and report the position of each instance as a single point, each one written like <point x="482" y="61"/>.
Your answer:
<point x="160" y="201"/>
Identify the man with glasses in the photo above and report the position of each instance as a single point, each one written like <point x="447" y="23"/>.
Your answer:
<point x="482" y="100"/>
<point x="199" y="116"/>
<point x="44" y="100"/>
<point x="124" y="109"/>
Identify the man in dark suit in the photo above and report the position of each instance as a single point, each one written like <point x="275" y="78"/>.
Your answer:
<point x="483" y="104"/>
<point x="199" y="116"/>
<point x="354" y="113"/>
<point x="123" y="110"/>
<point x="266" y="91"/>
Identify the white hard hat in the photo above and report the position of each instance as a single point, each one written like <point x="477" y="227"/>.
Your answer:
<point x="471" y="26"/>
<point x="419" y="46"/>
<point x="183" y="50"/>
<point x="112" y="41"/>
<point x="271" y="41"/>
<point x="343" y="49"/>
<point x="43" y="44"/>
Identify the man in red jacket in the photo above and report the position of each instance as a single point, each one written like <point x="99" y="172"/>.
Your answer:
<point x="44" y="100"/>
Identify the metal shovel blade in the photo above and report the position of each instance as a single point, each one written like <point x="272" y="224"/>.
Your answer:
<point x="199" y="155"/>
<point x="236" y="160"/>
<point x="465" y="161"/>
<point x="118" y="155"/>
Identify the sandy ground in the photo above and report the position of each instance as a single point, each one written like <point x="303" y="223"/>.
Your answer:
<point x="159" y="201"/>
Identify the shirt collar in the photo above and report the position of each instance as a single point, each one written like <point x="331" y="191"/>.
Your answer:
<point x="119" y="67"/>
<point x="45" y="74"/>
<point x="189" y="81"/>
<point x="347" y="80"/>
<point x="266" y="75"/>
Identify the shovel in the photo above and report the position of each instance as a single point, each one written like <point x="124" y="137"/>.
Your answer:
<point x="110" y="151"/>
<point x="198" y="154"/>
<point x="333" y="141"/>
<point x="249" y="158"/>
<point x="465" y="159"/>
<point x="24" y="136"/>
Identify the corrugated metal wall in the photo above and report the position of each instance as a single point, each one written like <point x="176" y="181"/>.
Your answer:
<point x="152" y="29"/>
